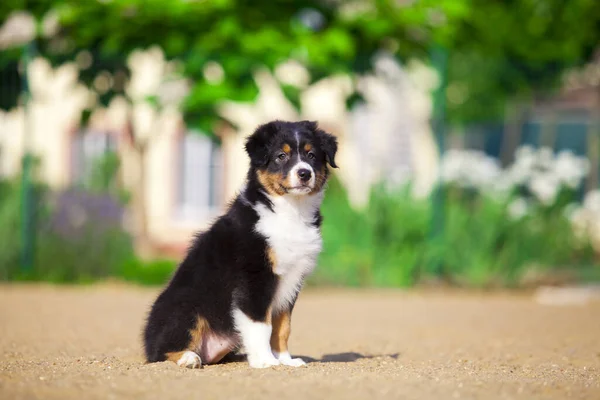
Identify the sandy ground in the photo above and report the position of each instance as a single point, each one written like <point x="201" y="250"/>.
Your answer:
<point x="84" y="343"/>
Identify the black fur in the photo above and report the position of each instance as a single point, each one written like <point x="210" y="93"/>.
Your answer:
<point x="228" y="264"/>
<point x="264" y="146"/>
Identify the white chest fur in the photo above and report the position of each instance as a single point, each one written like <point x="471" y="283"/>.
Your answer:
<point x="294" y="240"/>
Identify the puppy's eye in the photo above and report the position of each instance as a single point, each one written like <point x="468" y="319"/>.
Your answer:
<point x="311" y="155"/>
<point x="282" y="156"/>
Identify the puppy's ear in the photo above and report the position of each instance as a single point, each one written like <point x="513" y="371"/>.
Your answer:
<point x="256" y="144"/>
<point x="329" y="146"/>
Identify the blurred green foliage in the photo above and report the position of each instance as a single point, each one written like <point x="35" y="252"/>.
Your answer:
<point x="485" y="245"/>
<point x="516" y="50"/>
<point x="89" y="254"/>
<point x="74" y="247"/>
<point x="10" y="228"/>
<point x="87" y="258"/>
<point x="499" y="50"/>
<point x="155" y="272"/>
<point x="387" y="244"/>
<point x="383" y="245"/>
<point x="103" y="177"/>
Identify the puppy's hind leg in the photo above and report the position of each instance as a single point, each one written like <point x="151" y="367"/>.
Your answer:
<point x="189" y="357"/>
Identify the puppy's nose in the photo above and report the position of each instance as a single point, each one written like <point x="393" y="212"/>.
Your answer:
<point x="304" y="174"/>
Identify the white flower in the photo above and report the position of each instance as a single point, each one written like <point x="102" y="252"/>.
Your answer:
<point x="469" y="168"/>
<point x="585" y="220"/>
<point x="537" y="169"/>
<point x="570" y="169"/>
<point x="452" y="166"/>
<point x="293" y="73"/>
<point x="503" y="185"/>
<point x="524" y="151"/>
<point x="592" y="202"/>
<point x="545" y="188"/>
<point x="522" y="168"/>
<point x="545" y="158"/>
<point x="518" y="208"/>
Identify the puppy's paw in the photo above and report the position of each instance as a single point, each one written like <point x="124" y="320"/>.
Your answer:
<point x="262" y="362"/>
<point x="189" y="359"/>
<point x="293" y="362"/>
<point x="286" y="359"/>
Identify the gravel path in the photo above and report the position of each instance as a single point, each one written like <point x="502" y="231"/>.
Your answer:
<point x="84" y="343"/>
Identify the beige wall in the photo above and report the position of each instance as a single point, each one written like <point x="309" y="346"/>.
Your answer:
<point x="54" y="111"/>
<point x="162" y="128"/>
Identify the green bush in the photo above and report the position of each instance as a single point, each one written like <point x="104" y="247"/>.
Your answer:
<point x="87" y="258"/>
<point x="384" y="245"/>
<point x="64" y="250"/>
<point x="155" y="272"/>
<point x="484" y="245"/>
<point x="78" y="238"/>
<point x="389" y="243"/>
<point x="10" y="229"/>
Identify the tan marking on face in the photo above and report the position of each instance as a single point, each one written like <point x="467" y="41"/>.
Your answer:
<point x="307" y="147"/>
<point x="281" y="331"/>
<point x="320" y="179"/>
<point x="272" y="182"/>
<point x="197" y="334"/>
<point x="286" y="148"/>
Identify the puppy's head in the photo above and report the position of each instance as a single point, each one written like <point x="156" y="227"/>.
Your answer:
<point x="291" y="157"/>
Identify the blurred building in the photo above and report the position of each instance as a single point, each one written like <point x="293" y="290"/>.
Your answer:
<point x="568" y="119"/>
<point x="190" y="176"/>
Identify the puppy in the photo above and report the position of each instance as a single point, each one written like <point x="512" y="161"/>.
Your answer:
<point x="239" y="282"/>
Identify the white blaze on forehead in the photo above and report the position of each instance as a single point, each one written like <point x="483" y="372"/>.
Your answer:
<point x="295" y="179"/>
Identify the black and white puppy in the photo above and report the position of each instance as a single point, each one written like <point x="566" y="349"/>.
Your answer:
<point x="239" y="282"/>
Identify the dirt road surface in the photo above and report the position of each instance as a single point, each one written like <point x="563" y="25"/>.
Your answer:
<point x="84" y="343"/>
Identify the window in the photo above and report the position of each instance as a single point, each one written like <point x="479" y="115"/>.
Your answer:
<point x="199" y="178"/>
<point x="90" y="153"/>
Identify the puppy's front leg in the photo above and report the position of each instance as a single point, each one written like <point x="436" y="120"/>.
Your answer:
<point x="256" y="336"/>
<point x="279" y="339"/>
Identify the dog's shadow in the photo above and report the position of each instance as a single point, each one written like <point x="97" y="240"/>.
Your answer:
<point x="327" y="358"/>
<point x="346" y="357"/>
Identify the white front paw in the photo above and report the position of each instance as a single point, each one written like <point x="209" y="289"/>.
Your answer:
<point x="262" y="362"/>
<point x="189" y="359"/>
<point x="286" y="359"/>
<point x="293" y="362"/>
